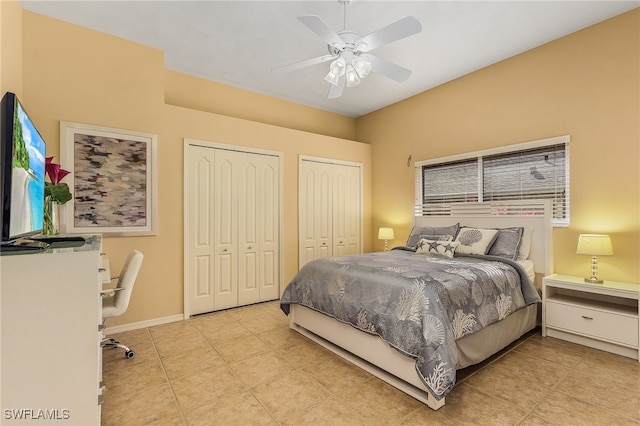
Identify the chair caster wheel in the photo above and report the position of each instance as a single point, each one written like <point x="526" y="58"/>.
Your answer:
<point x="129" y="354"/>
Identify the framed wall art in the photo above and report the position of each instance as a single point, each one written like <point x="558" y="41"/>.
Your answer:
<point x="114" y="180"/>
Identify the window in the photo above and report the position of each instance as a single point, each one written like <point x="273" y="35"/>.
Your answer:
<point x="450" y="182"/>
<point x="533" y="170"/>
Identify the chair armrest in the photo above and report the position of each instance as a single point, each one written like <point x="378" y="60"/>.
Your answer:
<point x="108" y="292"/>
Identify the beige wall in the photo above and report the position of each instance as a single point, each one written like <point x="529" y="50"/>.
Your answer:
<point x="586" y="84"/>
<point x="74" y="74"/>
<point x="10" y="47"/>
<point x="194" y="93"/>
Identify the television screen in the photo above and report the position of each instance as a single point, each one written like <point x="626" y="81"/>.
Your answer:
<point x="23" y="171"/>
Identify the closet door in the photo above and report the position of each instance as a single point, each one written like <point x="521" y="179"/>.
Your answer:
<point x="233" y="230"/>
<point x="315" y="211"/>
<point x="346" y="209"/>
<point x="269" y="231"/>
<point x="329" y="209"/>
<point x="225" y="224"/>
<point x="199" y="265"/>
<point x="258" y="207"/>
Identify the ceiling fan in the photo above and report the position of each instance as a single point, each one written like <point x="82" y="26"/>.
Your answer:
<point x="349" y="52"/>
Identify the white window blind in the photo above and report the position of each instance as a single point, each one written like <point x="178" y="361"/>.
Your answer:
<point x="450" y="182"/>
<point x="528" y="171"/>
<point x="528" y="175"/>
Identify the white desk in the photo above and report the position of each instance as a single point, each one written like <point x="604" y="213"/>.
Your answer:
<point x="50" y="356"/>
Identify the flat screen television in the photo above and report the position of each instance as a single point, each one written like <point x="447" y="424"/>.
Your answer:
<point x="22" y="172"/>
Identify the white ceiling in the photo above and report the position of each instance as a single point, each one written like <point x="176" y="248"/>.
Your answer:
<point x="239" y="42"/>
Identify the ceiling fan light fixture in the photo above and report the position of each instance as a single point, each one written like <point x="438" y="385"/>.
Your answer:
<point x="352" y="77"/>
<point x="332" y="78"/>
<point x="362" y="66"/>
<point x="349" y="51"/>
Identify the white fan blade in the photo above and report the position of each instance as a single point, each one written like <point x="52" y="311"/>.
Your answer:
<point x="400" y="29"/>
<point x="302" y="64"/>
<point x="318" y="26"/>
<point x="389" y="69"/>
<point x="336" y="91"/>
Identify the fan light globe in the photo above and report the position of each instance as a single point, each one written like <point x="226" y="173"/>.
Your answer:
<point x="352" y="77"/>
<point x="338" y="67"/>
<point x="332" y="78"/>
<point x="362" y="66"/>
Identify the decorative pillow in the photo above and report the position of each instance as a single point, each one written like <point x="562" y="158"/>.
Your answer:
<point x="419" y="232"/>
<point x="437" y="237"/>
<point x="507" y="243"/>
<point x="525" y="244"/>
<point x="444" y="248"/>
<point x="475" y="240"/>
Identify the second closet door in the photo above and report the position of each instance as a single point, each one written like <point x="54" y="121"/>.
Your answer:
<point x="329" y="209"/>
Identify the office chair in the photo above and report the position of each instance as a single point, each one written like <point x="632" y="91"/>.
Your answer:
<point x="115" y="301"/>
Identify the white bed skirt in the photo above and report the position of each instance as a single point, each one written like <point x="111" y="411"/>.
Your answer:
<point x="377" y="357"/>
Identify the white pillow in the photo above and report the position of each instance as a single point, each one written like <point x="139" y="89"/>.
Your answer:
<point x="444" y="248"/>
<point x="475" y="240"/>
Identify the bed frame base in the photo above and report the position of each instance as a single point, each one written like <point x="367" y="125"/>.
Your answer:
<point x="354" y="347"/>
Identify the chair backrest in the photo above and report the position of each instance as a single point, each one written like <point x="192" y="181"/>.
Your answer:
<point x="126" y="281"/>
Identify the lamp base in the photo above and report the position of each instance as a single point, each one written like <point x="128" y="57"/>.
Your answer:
<point x="593" y="279"/>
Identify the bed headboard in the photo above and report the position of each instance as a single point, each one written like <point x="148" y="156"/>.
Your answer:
<point x="534" y="214"/>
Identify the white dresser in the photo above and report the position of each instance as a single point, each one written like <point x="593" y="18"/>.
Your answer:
<point x="603" y="316"/>
<point x="50" y="356"/>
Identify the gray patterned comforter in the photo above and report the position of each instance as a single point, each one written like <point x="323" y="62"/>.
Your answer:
<point x="420" y="304"/>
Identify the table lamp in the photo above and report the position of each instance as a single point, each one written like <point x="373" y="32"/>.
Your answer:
<point x="594" y="245"/>
<point x="385" y="234"/>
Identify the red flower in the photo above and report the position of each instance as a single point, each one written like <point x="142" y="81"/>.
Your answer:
<point x="54" y="171"/>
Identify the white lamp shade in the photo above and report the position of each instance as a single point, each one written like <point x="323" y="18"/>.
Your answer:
<point x="594" y="245"/>
<point x="385" y="233"/>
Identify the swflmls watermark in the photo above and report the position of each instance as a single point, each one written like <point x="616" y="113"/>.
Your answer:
<point x="36" y="414"/>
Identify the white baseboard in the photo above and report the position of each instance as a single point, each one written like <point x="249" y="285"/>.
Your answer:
<point x="143" y="324"/>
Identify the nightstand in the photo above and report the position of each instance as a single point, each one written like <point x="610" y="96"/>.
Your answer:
<point x="603" y="316"/>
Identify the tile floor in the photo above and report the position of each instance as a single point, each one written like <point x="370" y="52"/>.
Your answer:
<point x="244" y="366"/>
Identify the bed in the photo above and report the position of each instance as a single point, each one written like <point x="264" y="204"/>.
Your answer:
<point x="425" y="371"/>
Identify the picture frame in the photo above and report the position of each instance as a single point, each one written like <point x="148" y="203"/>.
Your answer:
<point x="114" y="180"/>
